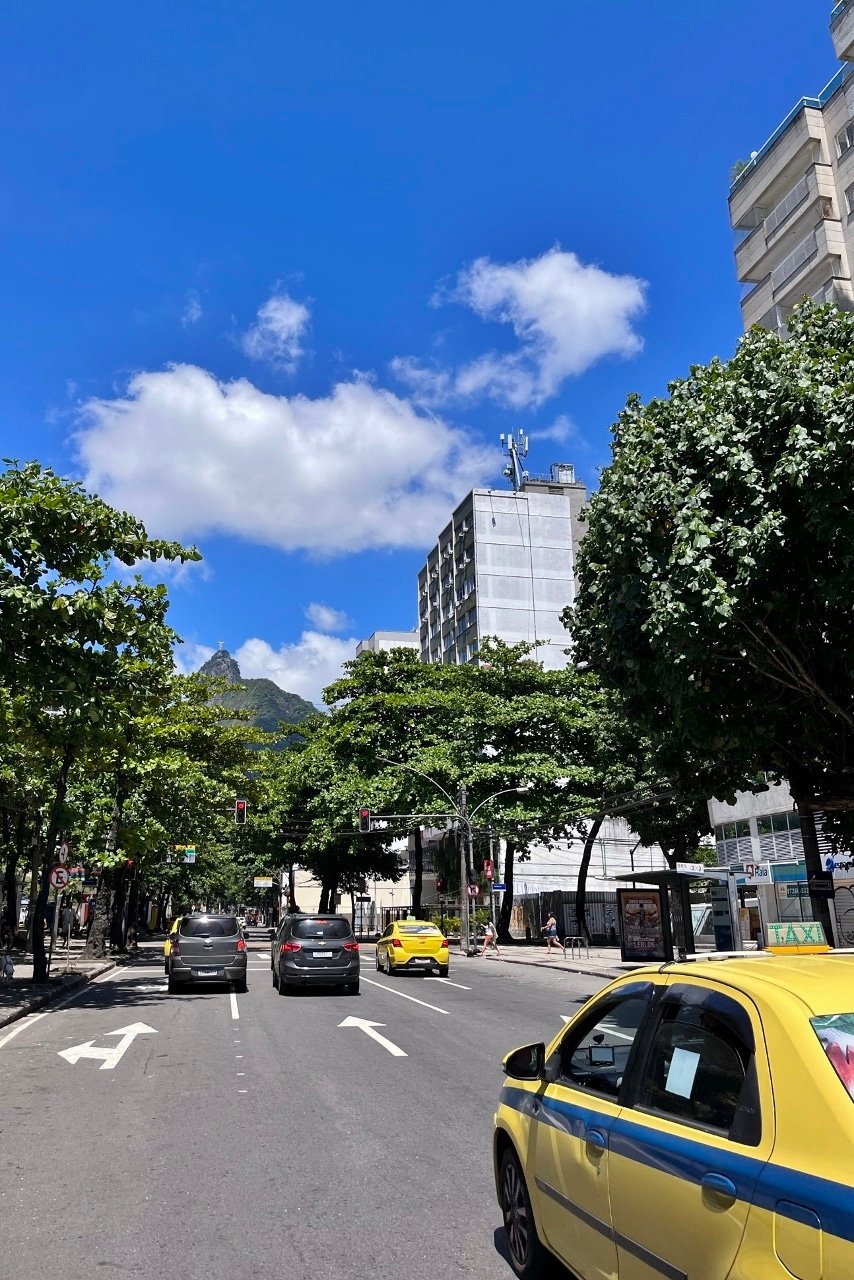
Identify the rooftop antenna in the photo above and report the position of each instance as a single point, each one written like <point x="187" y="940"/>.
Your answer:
<point x="516" y="448"/>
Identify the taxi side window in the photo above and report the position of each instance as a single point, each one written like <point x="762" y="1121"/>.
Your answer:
<point x="701" y="1070"/>
<point x="594" y="1056"/>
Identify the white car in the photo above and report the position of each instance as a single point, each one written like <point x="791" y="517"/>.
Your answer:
<point x="241" y="920"/>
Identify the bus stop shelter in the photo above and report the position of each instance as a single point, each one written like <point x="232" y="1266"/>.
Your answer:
<point x="654" y="914"/>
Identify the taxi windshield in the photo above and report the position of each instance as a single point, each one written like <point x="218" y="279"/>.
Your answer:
<point x="836" y="1035"/>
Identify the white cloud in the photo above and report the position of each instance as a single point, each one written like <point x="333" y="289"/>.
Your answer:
<point x="193" y="309"/>
<point x="190" y="656"/>
<point x="357" y="469"/>
<point x="277" y="335"/>
<point x="566" y="315"/>
<point x="305" y="667"/>
<point x="561" y="430"/>
<point x="326" y="618"/>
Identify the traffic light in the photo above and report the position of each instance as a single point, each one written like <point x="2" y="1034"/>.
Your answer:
<point x="240" y="812"/>
<point x="365" y="821"/>
<point x="440" y="885"/>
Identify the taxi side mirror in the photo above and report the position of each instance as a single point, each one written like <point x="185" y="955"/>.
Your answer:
<point x="526" y="1063"/>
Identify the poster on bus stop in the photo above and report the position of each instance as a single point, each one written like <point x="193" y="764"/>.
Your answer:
<point x="641" y="924"/>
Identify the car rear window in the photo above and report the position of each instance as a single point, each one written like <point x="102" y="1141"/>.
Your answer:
<point x="419" y="928"/>
<point x="208" y="926"/>
<point x="836" y="1035"/>
<point x="320" y="928"/>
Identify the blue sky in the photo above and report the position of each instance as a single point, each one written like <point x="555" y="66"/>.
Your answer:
<point x="276" y="276"/>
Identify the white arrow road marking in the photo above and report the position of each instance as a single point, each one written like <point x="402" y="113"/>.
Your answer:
<point x="368" y="1027"/>
<point x="564" y="1017"/>
<point x="110" y="1056"/>
<point x="448" y="983"/>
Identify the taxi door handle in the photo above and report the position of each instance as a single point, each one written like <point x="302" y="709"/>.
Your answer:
<point x="720" y="1186"/>
<point x="595" y="1141"/>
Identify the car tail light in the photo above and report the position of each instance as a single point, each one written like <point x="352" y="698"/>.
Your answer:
<point x="351" y="946"/>
<point x="290" y="946"/>
<point x="241" y="945"/>
<point x="443" y="943"/>
<point x="396" y="942"/>
<point x="175" y="950"/>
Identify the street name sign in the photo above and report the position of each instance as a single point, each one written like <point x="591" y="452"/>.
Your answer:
<point x="691" y="868"/>
<point x="498" y="888"/>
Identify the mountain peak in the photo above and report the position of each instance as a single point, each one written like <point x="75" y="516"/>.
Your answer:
<point x="222" y="664"/>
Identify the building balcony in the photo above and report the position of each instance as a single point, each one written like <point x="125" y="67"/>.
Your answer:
<point x="810" y="198"/>
<point x="842" y="30"/>
<point x="757" y="302"/>
<point x="794" y="145"/>
<point x="817" y="258"/>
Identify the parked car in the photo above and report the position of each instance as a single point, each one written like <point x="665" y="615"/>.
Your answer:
<point x="413" y="944"/>
<point x="691" y="1120"/>
<point x="315" y="951"/>
<point x="207" y="948"/>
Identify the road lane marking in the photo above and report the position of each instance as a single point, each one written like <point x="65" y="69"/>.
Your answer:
<point x="382" y="986"/>
<point x="235" y="1012"/>
<point x="112" y="1056"/>
<point x="448" y="983"/>
<point x="368" y="1027"/>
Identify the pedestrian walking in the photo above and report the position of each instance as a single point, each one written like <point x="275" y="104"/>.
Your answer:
<point x="490" y="938"/>
<point x="67" y="916"/>
<point x="550" y="930"/>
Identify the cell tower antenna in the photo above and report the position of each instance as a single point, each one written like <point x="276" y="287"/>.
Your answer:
<point x="516" y="448"/>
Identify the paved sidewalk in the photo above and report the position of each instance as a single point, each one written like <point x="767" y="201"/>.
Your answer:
<point x="20" y="995"/>
<point x="604" y="962"/>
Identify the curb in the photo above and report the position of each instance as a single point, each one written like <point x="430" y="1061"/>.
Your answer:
<point x="48" y="997"/>
<point x="565" y="967"/>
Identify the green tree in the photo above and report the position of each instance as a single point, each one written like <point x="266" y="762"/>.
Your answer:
<point x="715" y="578"/>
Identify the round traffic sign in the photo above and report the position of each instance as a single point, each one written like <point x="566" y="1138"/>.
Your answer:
<point x="59" y="876"/>
<point x="473" y="890"/>
<point x="62" y="852"/>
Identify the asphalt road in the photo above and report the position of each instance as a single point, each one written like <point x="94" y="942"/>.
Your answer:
<point x="254" y="1133"/>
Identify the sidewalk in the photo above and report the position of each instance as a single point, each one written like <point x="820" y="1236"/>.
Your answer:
<point x="603" y="962"/>
<point x="20" y="995"/>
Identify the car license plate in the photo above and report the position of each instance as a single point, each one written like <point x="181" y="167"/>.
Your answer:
<point x="319" y="955"/>
<point x="206" y="973"/>
<point x="424" y="962"/>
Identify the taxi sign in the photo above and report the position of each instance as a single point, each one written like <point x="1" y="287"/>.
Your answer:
<point x="796" y="938"/>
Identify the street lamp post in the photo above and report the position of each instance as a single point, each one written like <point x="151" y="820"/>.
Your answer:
<point x="464" y="820"/>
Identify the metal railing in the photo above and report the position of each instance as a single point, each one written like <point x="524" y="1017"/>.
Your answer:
<point x="837" y="12"/>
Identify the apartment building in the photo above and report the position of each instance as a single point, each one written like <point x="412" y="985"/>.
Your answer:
<point x="378" y="641"/>
<point x="504" y="566"/>
<point x="792" y="205"/>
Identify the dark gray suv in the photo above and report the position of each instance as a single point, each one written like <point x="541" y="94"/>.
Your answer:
<point x="205" y="949"/>
<point x="315" y="951"/>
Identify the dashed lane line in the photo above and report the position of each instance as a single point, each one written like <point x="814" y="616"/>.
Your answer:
<point x="382" y="986"/>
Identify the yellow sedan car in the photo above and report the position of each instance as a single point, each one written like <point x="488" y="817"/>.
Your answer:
<point x="170" y="937"/>
<point x="692" y="1121"/>
<point x="413" y="944"/>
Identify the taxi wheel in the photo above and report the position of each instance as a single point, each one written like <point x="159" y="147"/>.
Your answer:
<point x="527" y="1255"/>
<point x="443" y="970"/>
<point x="379" y="966"/>
<point x="389" y="967"/>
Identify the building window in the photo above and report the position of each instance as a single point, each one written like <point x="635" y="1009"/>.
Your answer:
<point x="845" y="139"/>
<point x="849" y="198"/>
<point x="772" y="822"/>
<point x="733" y="830"/>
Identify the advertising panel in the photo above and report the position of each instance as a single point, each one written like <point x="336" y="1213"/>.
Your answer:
<point x="641" y="919"/>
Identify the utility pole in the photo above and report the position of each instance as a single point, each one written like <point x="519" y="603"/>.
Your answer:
<point x="465" y="854"/>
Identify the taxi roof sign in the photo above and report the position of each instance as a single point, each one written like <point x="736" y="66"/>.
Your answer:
<point x="796" y="938"/>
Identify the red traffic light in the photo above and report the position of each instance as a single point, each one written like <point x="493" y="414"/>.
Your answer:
<point x="364" y="821"/>
<point x="240" y="812"/>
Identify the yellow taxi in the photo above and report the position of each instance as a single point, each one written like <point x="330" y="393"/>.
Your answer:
<point x="411" y="945"/>
<point x="170" y="937"/>
<point x="694" y="1120"/>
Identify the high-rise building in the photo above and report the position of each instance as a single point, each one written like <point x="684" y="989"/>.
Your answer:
<point x="377" y="641"/>
<point x="791" y="205"/>
<point x="504" y="566"/>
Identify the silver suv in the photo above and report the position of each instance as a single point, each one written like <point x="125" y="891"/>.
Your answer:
<point x="205" y="949"/>
<point x="315" y="951"/>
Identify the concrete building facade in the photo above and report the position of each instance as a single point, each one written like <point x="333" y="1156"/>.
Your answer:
<point x="378" y="641"/>
<point x="792" y="205"/>
<point x="503" y="566"/>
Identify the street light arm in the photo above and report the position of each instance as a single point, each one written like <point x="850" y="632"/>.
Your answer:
<point x="397" y="765"/>
<point x="506" y="792"/>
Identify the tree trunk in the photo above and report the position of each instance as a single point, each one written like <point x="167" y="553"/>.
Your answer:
<point x="506" y="912"/>
<point x="53" y="829"/>
<point x="418" y="879"/>
<point x="14" y="854"/>
<point x="581" y="888"/>
<point x="96" y="943"/>
<point x="292" y="888"/>
<point x="328" y="890"/>
<point x="118" y="916"/>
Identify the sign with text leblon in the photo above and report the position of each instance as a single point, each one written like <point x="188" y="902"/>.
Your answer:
<point x="641" y="917"/>
<point x="263" y="882"/>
